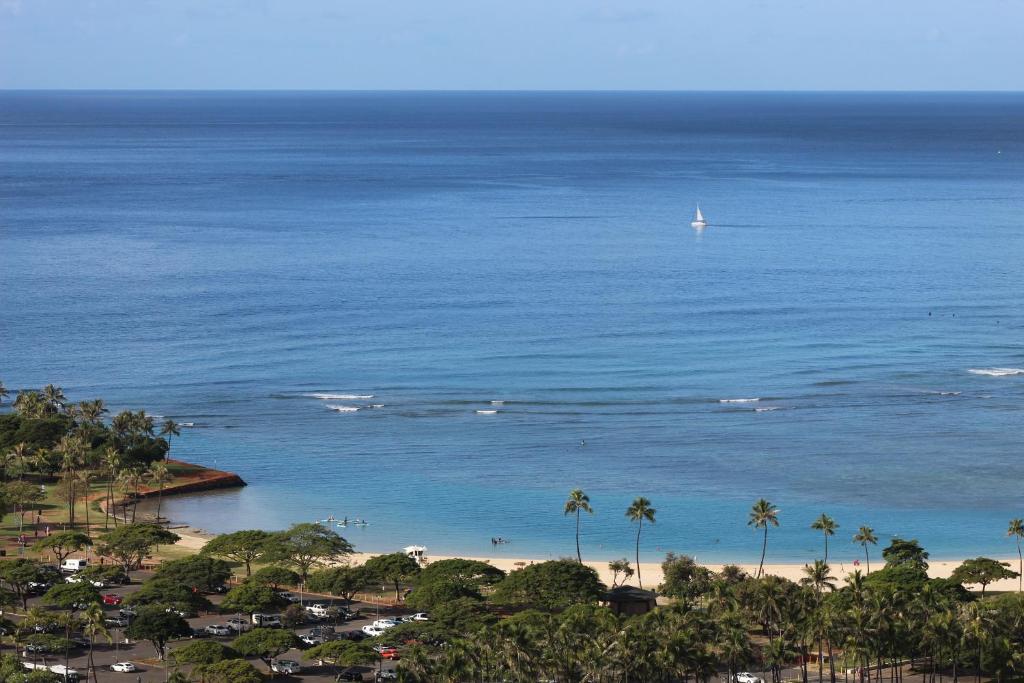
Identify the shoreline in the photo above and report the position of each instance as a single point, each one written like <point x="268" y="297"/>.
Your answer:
<point x="195" y="538"/>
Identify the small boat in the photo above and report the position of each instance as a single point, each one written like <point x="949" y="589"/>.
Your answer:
<point x="698" y="220"/>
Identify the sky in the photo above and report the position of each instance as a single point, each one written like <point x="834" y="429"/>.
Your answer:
<point x="513" y="44"/>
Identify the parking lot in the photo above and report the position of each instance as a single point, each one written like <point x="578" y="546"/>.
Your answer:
<point x="143" y="656"/>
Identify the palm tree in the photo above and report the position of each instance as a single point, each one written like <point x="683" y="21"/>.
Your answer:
<point x="72" y="449"/>
<point x="1016" y="530"/>
<point x="576" y="503"/>
<point x="169" y="429"/>
<point x="93" y="627"/>
<point x="54" y="395"/>
<point x="92" y="411"/>
<point x="827" y="526"/>
<point x="112" y="462"/>
<point x="86" y="478"/>
<point x="864" y="536"/>
<point x="637" y="512"/>
<point x="20" y="455"/>
<point x="158" y="475"/>
<point x="763" y="515"/>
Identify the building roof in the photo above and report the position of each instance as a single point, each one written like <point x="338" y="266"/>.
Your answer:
<point x="629" y="593"/>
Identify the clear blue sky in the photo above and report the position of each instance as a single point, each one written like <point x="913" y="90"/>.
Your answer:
<point x="514" y="44"/>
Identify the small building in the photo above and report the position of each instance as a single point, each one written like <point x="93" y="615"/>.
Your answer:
<point x="416" y="552"/>
<point x="629" y="600"/>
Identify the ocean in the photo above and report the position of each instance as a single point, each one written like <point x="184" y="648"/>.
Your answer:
<point x="440" y="312"/>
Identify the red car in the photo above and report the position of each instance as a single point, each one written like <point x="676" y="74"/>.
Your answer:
<point x="111" y="599"/>
<point x="389" y="653"/>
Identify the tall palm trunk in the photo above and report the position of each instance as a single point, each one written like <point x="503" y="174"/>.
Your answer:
<point x="1020" y="579"/>
<point x="867" y="558"/>
<point x="160" y="501"/>
<point x="638" y="528"/>
<point x="764" y="549"/>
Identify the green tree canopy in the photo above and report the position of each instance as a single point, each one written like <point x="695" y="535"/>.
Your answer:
<point x="231" y="671"/>
<point x="158" y="626"/>
<point x="344" y="582"/>
<point x="394" y="568"/>
<point x="128" y="545"/>
<point x="202" y="652"/>
<point x="244" y="547"/>
<point x="62" y="544"/>
<point x="18" y="573"/>
<point x="274" y="576"/>
<point x="265" y="643"/>
<point x="471" y="573"/>
<point x="981" y="571"/>
<point x="169" y="593"/>
<point x="250" y="597"/>
<point x="901" y="551"/>
<point x="70" y="596"/>
<point x="549" y="585"/>
<point x="342" y="653"/>
<point x="685" y="580"/>
<point x="196" y="571"/>
<point x="306" y="545"/>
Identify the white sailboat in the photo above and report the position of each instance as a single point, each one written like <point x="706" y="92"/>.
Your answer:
<point x="698" y="220"/>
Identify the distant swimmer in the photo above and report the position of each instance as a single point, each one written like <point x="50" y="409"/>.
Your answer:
<point x="583" y="442"/>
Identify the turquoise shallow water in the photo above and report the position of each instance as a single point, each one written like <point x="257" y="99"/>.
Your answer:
<point x="219" y="258"/>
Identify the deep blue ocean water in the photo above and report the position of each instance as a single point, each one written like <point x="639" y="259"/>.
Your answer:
<point x="219" y="257"/>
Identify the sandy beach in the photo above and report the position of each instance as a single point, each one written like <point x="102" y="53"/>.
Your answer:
<point x="651" y="573"/>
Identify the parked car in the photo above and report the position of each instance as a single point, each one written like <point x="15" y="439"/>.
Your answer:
<point x="420" y="616"/>
<point x="74" y="578"/>
<point x="372" y="631"/>
<point x="239" y="624"/>
<point x="351" y="674"/>
<point x="355" y="635"/>
<point x="124" y="667"/>
<point x="385" y="675"/>
<point x="747" y="677"/>
<point x="385" y="623"/>
<point x="318" y="610"/>
<point x="285" y="666"/>
<point x="72" y="565"/>
<point x="112" y="599"/>
<point x="118" y="622"/>
<point x="128" y="611"/>
<point x="199" y="633"/>
<point x="290" y="597"/>
<point x="387" y="651"/>
<point x="267" y="620"/>
<point x="219" y="630"/>
<point x="174" y="610"/>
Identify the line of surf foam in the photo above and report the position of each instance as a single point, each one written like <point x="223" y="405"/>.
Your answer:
<point x="996" y="372"/>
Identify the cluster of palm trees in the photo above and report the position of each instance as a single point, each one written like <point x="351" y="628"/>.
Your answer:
<point x="89" y="451"/>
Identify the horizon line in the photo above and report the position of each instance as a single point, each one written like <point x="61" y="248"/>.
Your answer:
<point x="893" y="91"/>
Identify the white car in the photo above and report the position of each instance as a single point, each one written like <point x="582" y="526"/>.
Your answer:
<point x="290" y="597"/>
<point x="747" y="677"/>
<point x="420" y="616"/>
<point x="218" y="630"/>
<point x="124" y="667"/>
<point x="239" y="625"/>
<point x="285" y="666"/>
<point x="385" y="623"/>
<point x="372" y="631"/>
<point x="74" y="578"/>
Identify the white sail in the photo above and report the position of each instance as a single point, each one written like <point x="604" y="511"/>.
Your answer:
<point x="698" y="220"/>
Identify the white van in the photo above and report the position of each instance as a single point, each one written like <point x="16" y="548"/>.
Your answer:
<point x="70" y="566"/>
<point x="266" y="620"/>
